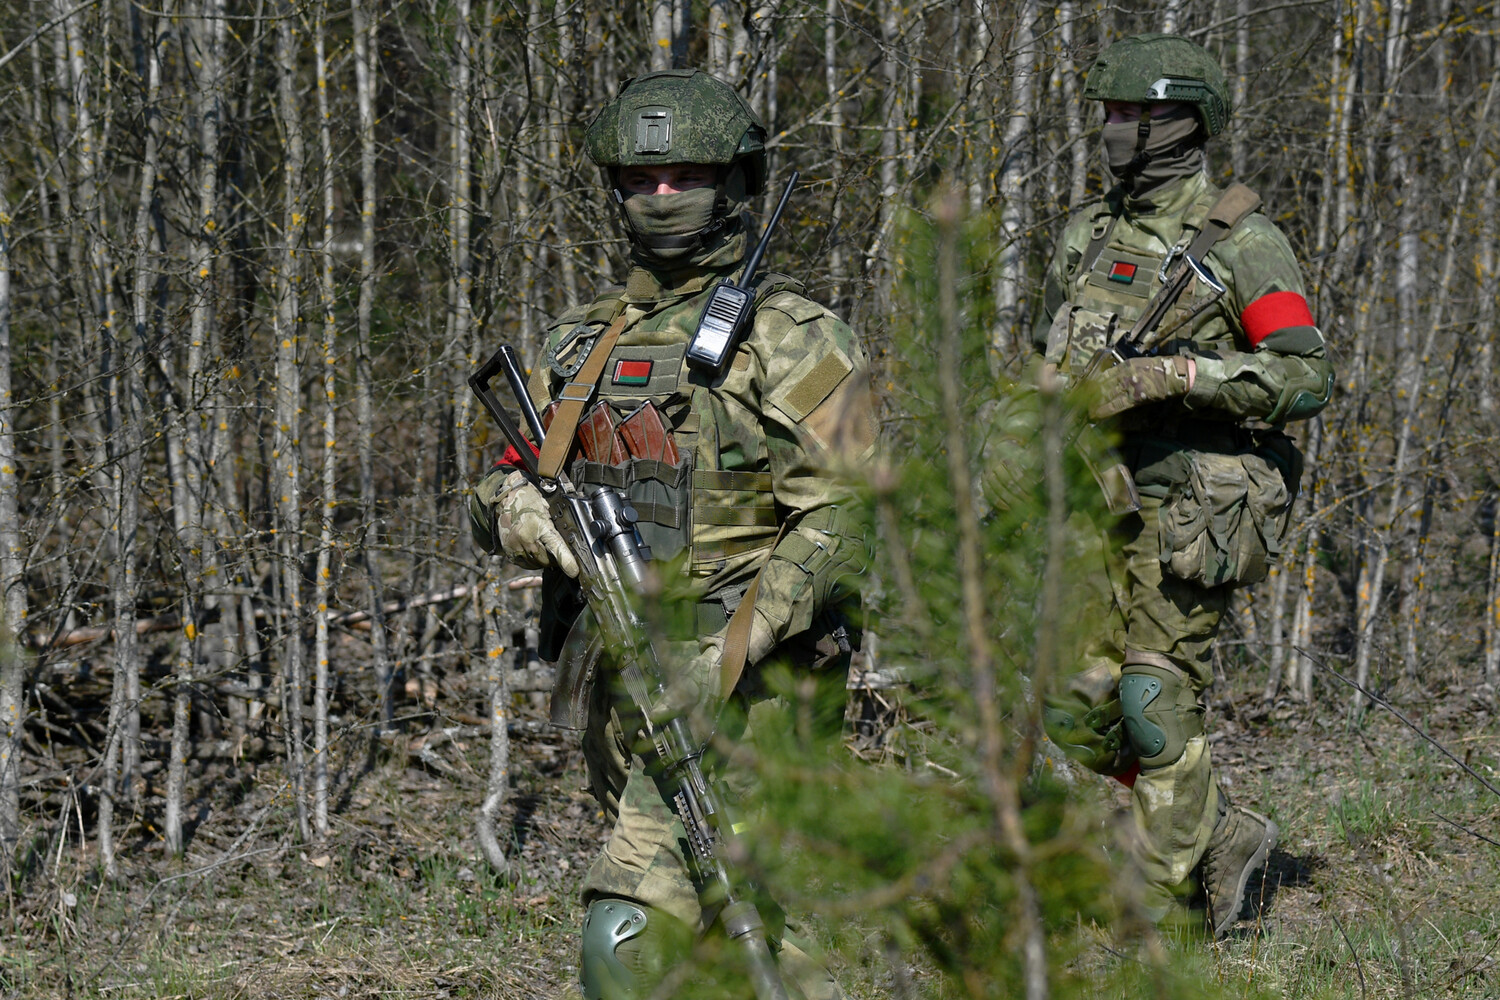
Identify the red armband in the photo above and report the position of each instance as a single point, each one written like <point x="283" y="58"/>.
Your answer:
<point x="513" y="457"/>
<point x="1273" y="312"/>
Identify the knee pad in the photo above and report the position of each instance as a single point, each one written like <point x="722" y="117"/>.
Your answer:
<point x="1084" y="719"/>
<point x="626" y="948"/>
<point x="1161" y="712"/>
<point x="608" y="924"/>
<point x="1092" y="736"/>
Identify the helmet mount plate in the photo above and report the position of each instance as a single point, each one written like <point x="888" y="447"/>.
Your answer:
<point x="653" y="131"/>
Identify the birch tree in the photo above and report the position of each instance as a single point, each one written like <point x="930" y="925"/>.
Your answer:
<point x="286" y="445"/>
<point x="12" y="573"/>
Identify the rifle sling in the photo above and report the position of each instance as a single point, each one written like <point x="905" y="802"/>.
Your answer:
<point x="737" y="635"/>
<point x="575" y="395"/>
<point x="1228" y="211"/>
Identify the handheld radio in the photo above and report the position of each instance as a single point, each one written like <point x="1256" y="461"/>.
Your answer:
<point x="730" y="304"/>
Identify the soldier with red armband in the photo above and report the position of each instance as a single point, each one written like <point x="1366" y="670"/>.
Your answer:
<point x="1234" y="355"/>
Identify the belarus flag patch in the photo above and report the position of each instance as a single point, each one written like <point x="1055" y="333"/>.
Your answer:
<point x="1122" y="272"/>
<point x="632" y="372"/>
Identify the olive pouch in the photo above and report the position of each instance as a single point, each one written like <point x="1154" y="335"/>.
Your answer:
<point x="1224" y="524"/>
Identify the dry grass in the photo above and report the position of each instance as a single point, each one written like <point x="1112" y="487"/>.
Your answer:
<point x="1382" y="886"/>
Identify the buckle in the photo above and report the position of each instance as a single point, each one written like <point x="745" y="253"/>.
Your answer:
<point x="1166" y="265"/>
<point x="576" y="392"/>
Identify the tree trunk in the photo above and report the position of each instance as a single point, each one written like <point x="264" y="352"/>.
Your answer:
<point x="12" y="572"/>
<point x="286" y="453"/>
<point x="1240" y="86"/>
<point x="497" y="629"/>
<point x="322" y="578"/>
<point x="1011" y="281"/>
<point x="831" y="67"/>
<point x="366" y="47"/>
<point x="1079" y="150"/>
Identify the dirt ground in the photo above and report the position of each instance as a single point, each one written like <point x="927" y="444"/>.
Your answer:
<point x="1386" y="881"/>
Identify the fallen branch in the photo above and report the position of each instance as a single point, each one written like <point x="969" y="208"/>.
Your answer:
<point x="400" y="604"/>
<point x="143" y="626"/>
<point x="1396" y="712"/>
<point x="167" y="623"/>
<point x="1472" y="833"/>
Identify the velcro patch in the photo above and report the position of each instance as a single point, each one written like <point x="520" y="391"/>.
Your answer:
<point x="632" y="372"/>
<point x="815" y="386"/>
<point x="1122" y="271"/>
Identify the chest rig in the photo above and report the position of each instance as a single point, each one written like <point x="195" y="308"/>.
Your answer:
<point x="649" y="430"/>
<point x="1112" y="285"/>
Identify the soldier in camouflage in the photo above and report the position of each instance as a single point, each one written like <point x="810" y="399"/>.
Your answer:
<point x="1236" y="357"/>
<point x="744" y="481"/>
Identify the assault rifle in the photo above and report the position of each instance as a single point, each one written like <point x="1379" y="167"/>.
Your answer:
<point x="1142" y="338"/>
<point x="600" y="530"/>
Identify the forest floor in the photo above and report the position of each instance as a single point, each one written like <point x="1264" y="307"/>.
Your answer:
<point x="1386" y="882"/>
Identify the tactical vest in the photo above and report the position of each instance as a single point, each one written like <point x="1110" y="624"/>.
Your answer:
<point x="691" y="505"/>
<point x="1110" y="285"/>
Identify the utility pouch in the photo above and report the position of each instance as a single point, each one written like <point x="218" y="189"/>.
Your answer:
<point x="1273" y="460"/>
<point x="1225" y="523"/>
<point x="1078" y="333"/>
<point x="661" y="493"/>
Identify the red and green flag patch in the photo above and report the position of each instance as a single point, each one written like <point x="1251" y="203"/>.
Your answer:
<point x="632" y="372"/>
<point x="1122" y="272"/>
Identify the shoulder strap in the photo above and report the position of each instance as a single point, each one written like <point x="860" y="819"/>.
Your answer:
<point x="574" y="396"/>
<point x="1237" y="202"/>
<point x="1098" y="239"/>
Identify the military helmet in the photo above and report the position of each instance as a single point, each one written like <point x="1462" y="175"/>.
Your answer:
<point x="1156" y="67"/>
<point x="679" y="116"/>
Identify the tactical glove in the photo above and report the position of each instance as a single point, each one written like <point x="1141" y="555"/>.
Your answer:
<point x="524" y="529"/>
<point x="1139" y="381"/>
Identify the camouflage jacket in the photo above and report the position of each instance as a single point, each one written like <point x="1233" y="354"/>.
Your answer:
<point x="767" y="444"/>
<point x="1258" y="352"/>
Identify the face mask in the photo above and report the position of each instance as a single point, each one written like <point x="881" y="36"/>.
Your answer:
<point x="1172" y="156"/>
<point x="654" y="216"/>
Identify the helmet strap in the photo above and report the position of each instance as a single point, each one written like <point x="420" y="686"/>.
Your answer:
<point x="1142" y="158"/>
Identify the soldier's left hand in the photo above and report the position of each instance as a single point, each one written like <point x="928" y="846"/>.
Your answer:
<point x="1140" y="381"/>
<point x="691" y="685"/>
<point x="697" y="684"/>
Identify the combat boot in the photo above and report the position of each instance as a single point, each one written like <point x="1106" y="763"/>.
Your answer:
<point x="1241" y="843"/>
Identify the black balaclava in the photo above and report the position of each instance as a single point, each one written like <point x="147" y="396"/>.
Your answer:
<point x="1148" y="153"/>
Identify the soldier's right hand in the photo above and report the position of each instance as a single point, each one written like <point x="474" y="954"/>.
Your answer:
<point x="524" y="529"/>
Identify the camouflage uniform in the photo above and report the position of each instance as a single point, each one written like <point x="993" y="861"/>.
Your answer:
<point x="762" y="446"/>
<point x="1257" y="356"/>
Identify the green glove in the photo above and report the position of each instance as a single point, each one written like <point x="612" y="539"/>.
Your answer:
<point x="524" y="529"/>
<point x="1140" y="381"/>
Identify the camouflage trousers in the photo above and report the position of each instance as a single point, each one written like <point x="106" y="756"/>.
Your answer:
<point x="645" y="858"/>
<point x="1175" y="807"/>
